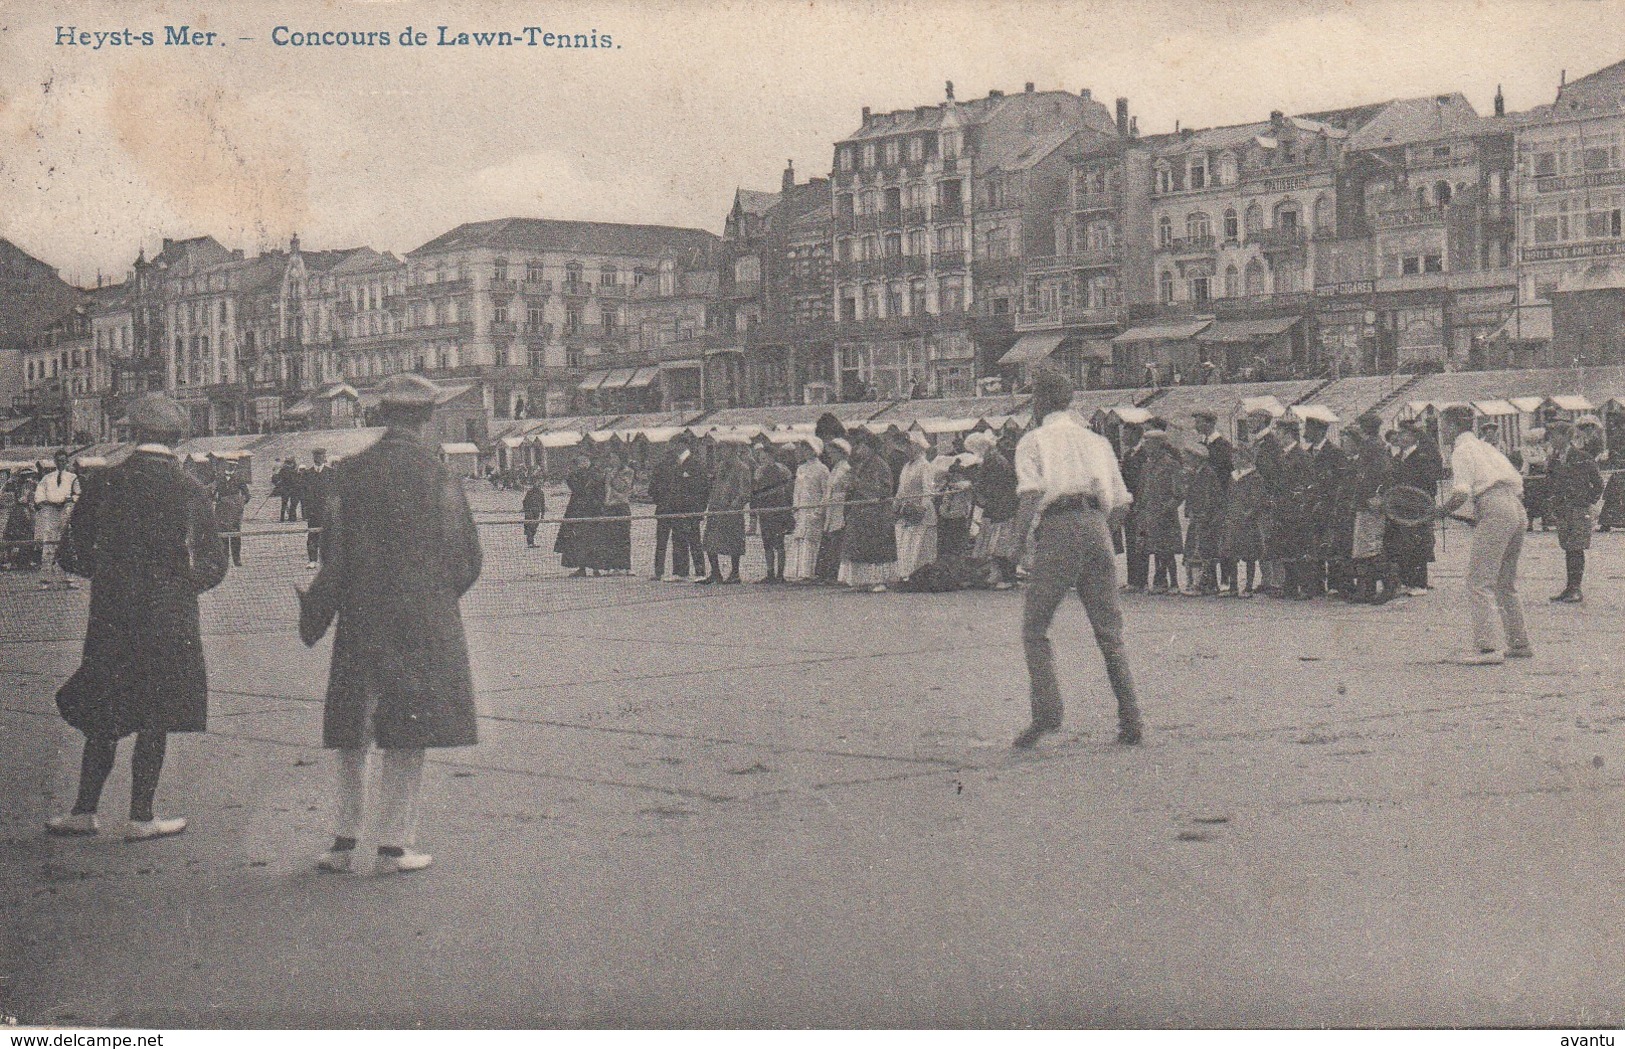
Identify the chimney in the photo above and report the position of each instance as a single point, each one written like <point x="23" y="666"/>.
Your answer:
<point x="789" y="181"/>
<point x="1122" y="116"/>
<point x="1133" y="127"/>
<point x="950" y="90"/>
<point x="1086" y="95"/>
<point x="1500" y="102"/>
<point x="168" y="244"/>
<point x="1176" y="127"/>
<point x="1029" y="88"/>
<point x="995" y="93"/>
<point x="865" y="116"/>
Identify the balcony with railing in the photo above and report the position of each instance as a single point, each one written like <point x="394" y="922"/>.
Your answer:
<point x="614" y="291"/>
<point x="1279" y="238"/>
<point x="1244" y="305"/>
<point x="1097" y="257"/>
<point x="536" y="287"/>
<point x="942" y="212"/>
<point x="576" y="288"/>
<point x="458" y="330"/>
<point x="1190" y="247"/>
<point x="1070" y="317"/>
<point x="439" y="287"/>
<point x="948" y="261"/>
<point x="502" y="286"/>
<point x="915" y="216"/>
<point x="1098" y="200"/>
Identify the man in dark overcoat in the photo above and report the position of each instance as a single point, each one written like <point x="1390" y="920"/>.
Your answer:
<point x="1134" y="455"/>
<point x="680" y="489"/>
<point x="1410" y="547"/>
<point x="1221" y="456"/>
<point x="144" y="535"/>
<point x="401" y="551"/>
<point x="1574" y="487"/>
<point x="1323" y="510"/>
<point x="1268" y="460"/>
<point x="313" y="492"/>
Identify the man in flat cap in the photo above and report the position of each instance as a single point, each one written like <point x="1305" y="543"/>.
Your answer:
<point x="1574" y="486"/>
<point x="1069" y="483"/>
<point x="401" y="550"/>
<point x="144" y="535"/>
<point x="1221" y="456"/>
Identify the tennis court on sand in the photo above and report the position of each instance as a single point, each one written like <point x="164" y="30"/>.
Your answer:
<point x="766" y="805"/>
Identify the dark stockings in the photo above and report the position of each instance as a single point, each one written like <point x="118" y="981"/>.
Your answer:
<point x="1575" y="562"/>
<point x="145" y="768"/>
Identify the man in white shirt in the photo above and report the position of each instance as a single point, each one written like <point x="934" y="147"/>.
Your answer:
<point x="1068" y="481"/>
<point x="54" y="497"/>
<point x="1483" y="476"/>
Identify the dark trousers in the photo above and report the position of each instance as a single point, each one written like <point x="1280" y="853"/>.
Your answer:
<point x="683" y="533"/>
<point x="531" y="525"/>
<point x="1139" y="558"/>
<point x="290" y="508"/>
<point x="829" y="556"/>
<point x="234" y="548"/>
<point x="313" y="542"/>
<point x="1074" y="550"/>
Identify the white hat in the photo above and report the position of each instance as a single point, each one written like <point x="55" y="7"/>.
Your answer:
<point x="918" y="439"/>
<point x="843" y="444"/>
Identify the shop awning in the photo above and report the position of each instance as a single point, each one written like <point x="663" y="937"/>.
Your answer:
<point x="1033" y="347"/>
<point x="12" y="425"/>
<point x="642" y="378"/>
<point x="1494" y="408"/>
<point x="1163" y="332"/>
<point x="617" y="379"/>
<point x="459" y="448"/>
<point x="1245" y="331"/>
<point x="1573" y="402"/>
<point x="593" y="380"/>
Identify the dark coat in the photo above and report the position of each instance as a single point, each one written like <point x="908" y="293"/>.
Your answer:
<point x="1330" y="512"/>
<point x="771" y="498"/>
<point x="534" y="504"/>
<point x="1244" y="513"/>
<point x="576" y="541"/>
<point x="402" y="551"/>
<point x="1575" y="485"/>
<point x="143" y="533"/>
<point x="1292" y="532"/>
<point x="313" y="492"/>
<point x="1204" y="513"/>
<point x="871" y="538"/>
<point x="1162" y="490"/>
<point x="994" y="483"/>
<point x="230" y="499"/>
<point x="724" y="519"/>
<point x="1422" y="469"/>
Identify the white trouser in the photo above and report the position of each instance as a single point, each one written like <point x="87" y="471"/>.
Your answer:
<point x="50" y="520"/>
<point x="401" y="777"/>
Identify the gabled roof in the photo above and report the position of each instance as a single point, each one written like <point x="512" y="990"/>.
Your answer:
<point x="1596" y="93"/>
<point x="690" y="246"/>
<point x="365" y="260"/>
<point x="322" y="261"/>
<point x="755" y="201"/>
<point x="1017" y="152"/>
<point x="981" y="110"/>
<point x="1407" y="120"/>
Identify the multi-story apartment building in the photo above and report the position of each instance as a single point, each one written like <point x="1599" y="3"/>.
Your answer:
<point x="925" y="201"/>
<point x="1076" y="300"/>
<point x="59" y="398"/>
<point x="368" y="338"/>
<point x="530" y="305"/>
<point x="1421" y="275"/>
<point x="668" y="341"/>
<point x="33" y="299"/>
<point x="1571" y="238"/>
<point x="773" y="304"/>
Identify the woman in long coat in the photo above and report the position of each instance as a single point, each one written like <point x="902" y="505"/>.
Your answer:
<point x="724" y="513"/>
<point x="1245" y="511"/>
<point x="143" y="533"/>
<point x="869" y="549"/>
<point x="403" y="552"/>
<point x="772" y="493"/>
<point x="614" y="547"/>
<point x="575" y="543"/>
<point x="1156" y="520"/>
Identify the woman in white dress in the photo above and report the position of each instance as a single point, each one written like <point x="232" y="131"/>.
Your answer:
<point x="811" y="493"/>
<point x="916" y="510"/>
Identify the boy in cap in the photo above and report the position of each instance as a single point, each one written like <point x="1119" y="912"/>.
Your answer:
<point x="1245" y="504"/>
<point x="1162" y="490"/>
<point x="144" y="535"/>
<point x="403" y="551"/>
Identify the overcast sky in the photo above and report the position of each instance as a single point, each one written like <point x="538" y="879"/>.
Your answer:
<point x="102" y="152"/>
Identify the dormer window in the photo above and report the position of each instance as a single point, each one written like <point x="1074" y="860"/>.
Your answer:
<point x="892" y="150"/>
<point x="950" y="144"/>
<point x="843" y="159"/>
<point x="1199" y="173"/>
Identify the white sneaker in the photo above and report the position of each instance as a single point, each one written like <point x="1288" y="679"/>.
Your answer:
<point x="336" y="861"/>
<point x="70" y="585"/>
<point x="411" y="861"/>
<point x="145" y="830"/>
<point x="73" y="825"/>
<point x="310" y="564"/>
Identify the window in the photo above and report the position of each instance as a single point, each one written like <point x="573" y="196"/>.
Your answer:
<point x="1198" y="228"/>
<point x="572" y="321"/>
<point x="1232" y="282"/>
<point x="1432" y="264"/>
<point x="916" y="297"/>
<point x="843" y="159"/>
<point x="1255" y="278"/>
<point x="871" y="247"/>
<point x="951" y="295"/>
<point x="1198" y="175"/>
<point x="869" y="202"/>
<point x="843" y="205"/>
<point x="1410" y="265"/>
<point x="607" y="316"/>
<point x="948" y="196"/>
<point x="1227" y="170"/>
<point x="499" y="269"/>
<point x="950" y="144"/>
<point x="222" y="313"/>
<point x="871" y="301"/>
<point x="1165" y="286"/>
<point x="843" y="249"/>
<point x="533" y="318"/>
<point x="950" y="238"/>
<point x="892" y="147"/>
<point x="533" y="272"/>
<point x="869" y="155"/>
<point x="1603" y="224"/>
<point x="1165" y="232"/>
<point x="894" y="300"/>
<point x="1165" y="180"/>
<point x="1231" y="225"/>
<point x="893" y="245"/>
<point x="916" y="242"/>
<point x="916" y="149"/>
<point x="1255" y="218"/>
<point x="1595" y="158"/>
<point x="1199" y="289"/>
<point x="499" y="315"/>
<point x="1100" y="236"/>
<point x="1441" y="193"/>
<point x="849" y="308"/>
<point x="997" y="243"/>
<point x="573" y="272"/>
<point x="607" y="277"/>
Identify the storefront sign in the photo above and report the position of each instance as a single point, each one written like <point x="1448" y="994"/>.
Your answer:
<point x="1573" y="251"/>
<point x="1348" y="287"/>
<point x="1590" y="180"/>
<point x="1286" y="184"/>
